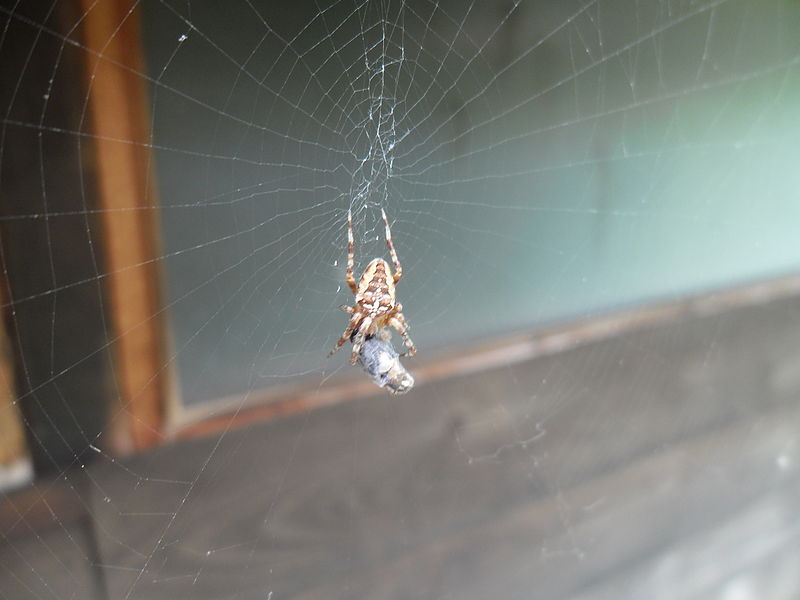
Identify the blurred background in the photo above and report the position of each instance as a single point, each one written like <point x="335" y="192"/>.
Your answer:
<point x="596" y="208"/>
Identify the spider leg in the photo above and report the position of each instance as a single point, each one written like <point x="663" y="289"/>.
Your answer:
<point x="398" y="321"/>
<point x="347" y="309"/>
<point x="359" y="337"/>
<point x="351" y="326"/>
<point x="351" y="281"/>
<point x="398" y="268"/>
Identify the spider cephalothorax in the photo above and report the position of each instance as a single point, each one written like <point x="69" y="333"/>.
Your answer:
<point x="375" y="306"/>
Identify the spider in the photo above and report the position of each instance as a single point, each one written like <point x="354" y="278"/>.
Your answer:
<point x="375" y="305"/>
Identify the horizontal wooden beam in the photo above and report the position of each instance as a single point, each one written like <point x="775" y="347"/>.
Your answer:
<point x="279" y="401"/>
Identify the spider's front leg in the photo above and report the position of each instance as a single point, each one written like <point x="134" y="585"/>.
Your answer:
<point x="398" y="268"/>
<point x="351" y="254"/>
<point x="351" y="327"/>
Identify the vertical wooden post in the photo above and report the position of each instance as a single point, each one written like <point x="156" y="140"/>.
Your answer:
<point x="121" y="129"/>
<point x="15" y="463"/>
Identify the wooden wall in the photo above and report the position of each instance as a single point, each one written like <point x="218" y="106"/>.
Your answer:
<point x="664" y="458"/>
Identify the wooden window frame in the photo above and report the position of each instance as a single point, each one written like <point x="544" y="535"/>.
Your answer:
<point x="118" y="103"/>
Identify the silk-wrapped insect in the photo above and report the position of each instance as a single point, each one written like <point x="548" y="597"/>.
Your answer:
<point x="381" y="363"/>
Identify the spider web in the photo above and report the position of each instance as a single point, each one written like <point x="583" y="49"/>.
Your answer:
<point x="538" y="161"/>
<point x="533" y="160"/>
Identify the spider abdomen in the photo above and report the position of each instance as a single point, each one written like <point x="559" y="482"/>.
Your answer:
<point x="376" y="288"/>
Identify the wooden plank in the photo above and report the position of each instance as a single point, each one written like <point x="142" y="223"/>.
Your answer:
<point x="57" y="563"/>
<point x="584" y="536"/>
<point x="753" y="552"/>
<point x="121" y="127"/>
<point x="540" y="478"/>
<point x="47" y="504"/>
<point x="47" y="546"/>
